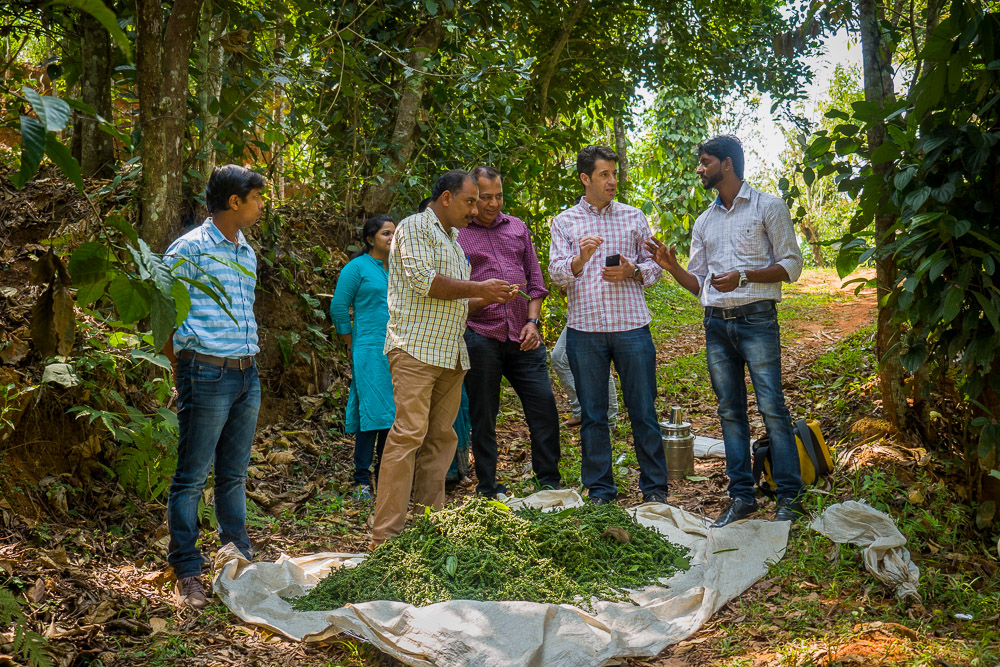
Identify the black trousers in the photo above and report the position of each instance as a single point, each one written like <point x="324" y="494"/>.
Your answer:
<point x="528" y="374"/>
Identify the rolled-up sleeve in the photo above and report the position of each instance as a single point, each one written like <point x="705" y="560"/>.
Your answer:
<point x="649" y="269"/>
<point x="535" y="287"/>
<point x="698" y="262"/>
<point x="562" y="250"/>
<point x="784" y="245"/>
<point x="416" y="253"/>
<point x="343" y="297"/>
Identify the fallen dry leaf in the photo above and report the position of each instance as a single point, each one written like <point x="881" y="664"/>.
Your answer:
<point x="157" y="624"/>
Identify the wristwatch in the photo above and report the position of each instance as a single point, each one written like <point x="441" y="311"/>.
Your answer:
<point x="744" y="281"/>
<point x="637" y="274"/>
<point x="534" y="320"/>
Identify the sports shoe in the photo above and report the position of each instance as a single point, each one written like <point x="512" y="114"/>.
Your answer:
<point x="572" y="422"/>
<point x="789" y="509"/>
<point x="737" y="509"/>
<point x="601" y="501"/>
<point x="190" y="592"/>
<point x="362" y="494"/>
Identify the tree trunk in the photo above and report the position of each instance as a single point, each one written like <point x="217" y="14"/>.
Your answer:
<point x="211" y="57"/>
<point x="162" y="67"/>
<point x="553" y="60"/>
<point x="278" y="148"/>
<point x="621" y="148"/>
<point x="812" y="238"/>
<point x="378" y="197"/>
<point x="877" y="62"/>
<point x="97" y="148"/>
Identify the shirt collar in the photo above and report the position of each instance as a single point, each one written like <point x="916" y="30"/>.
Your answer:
<point x="587" y="206"/>
<point x="434" y="219"/>
<point x="744" y="193"/>
<point x="219" y="237"/>
<point x="502" y="219"/>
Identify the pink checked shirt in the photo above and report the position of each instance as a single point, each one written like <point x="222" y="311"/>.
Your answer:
<point x="596" y="305"/>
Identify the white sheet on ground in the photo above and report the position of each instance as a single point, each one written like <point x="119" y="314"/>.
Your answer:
<point x="725" y="562"/>
<point x="885" y="553"/>
<point x="708" y="448"/>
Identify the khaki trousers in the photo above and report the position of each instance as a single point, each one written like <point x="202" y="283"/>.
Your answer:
<point x="427" y="401"/>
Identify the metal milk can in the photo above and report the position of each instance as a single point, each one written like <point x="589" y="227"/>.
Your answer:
<point x="678" y="445"/>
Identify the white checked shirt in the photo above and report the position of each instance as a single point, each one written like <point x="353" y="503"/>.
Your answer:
<point x="595" y="305"/>
<point x="428" y="329"/>
<point x="754" y="234"/>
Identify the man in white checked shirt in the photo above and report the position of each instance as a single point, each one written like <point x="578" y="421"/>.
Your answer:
<point x="598" y="254"/>
<point x="742" y="248"/>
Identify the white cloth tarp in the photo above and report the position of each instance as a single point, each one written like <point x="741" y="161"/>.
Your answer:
<point x="708" y="448"/>
<point x="725" y="562"/>
<point x="885" y="553"/>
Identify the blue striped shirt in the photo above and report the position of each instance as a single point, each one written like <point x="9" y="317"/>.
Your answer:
<point x="208" y="328"/>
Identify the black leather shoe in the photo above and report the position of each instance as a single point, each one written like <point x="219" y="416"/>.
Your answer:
<point x="655" y="497"/>
<point x="737" y="509"/>
<point x="789" y="509"/>
<point x="601" y="501"/>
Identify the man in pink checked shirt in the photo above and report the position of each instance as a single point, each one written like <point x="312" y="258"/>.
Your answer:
<point x="504" y="341"/>
<point x="598" y="254"/>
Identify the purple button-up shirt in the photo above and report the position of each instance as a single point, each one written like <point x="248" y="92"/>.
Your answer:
<point x="503" y="250"/>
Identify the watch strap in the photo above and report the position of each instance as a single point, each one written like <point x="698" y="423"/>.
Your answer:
<point x="534" y="320"/>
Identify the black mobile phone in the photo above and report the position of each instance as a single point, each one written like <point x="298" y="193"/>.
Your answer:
<point x="612" y="260"/>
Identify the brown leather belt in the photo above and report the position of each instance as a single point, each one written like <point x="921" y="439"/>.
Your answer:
<point x="241" y="363"/>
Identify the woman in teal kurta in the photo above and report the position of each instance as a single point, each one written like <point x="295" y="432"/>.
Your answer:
<point x="362" y="287"/>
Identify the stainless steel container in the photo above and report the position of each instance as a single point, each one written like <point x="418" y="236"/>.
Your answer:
<point x="678" y="445"/>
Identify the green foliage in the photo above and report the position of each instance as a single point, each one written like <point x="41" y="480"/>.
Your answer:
<point x="38" y="139"/>
<point x="484" y="551"/>
<point x="941" y="146"/>
<point x="29" y="645"/>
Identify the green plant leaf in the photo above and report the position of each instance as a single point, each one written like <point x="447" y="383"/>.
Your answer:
<point x="163" y="317"/>
<point x="105" y="17"/>
<point x="32" y="150"/>
<point x="89" y="264"/>
<point x="52" y="111"/>
<point x="182" y="301"/>
<point x="953" y="299"/>
<point x="61" y="156"/>
<point x="131" y="298"/>
<point x="87" y="295"/>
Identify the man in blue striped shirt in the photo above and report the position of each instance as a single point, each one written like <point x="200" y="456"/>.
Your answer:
<point x="218" y="391"/>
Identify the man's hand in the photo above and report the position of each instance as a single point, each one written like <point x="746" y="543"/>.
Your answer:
<point x="588" y="246"/>
<point x="495" y="290"/>
<point x="662" y="255"/>
<point x="726" y="282"/>
<point x="620" y="273"/>
<point x="529" y="337"/>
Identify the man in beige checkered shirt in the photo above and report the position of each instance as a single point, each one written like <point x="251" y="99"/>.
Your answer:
<point x="429" y="295"/>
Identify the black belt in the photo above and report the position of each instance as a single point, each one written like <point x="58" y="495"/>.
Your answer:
<point x="241" y="363"/>
<point x="739" y="311"/>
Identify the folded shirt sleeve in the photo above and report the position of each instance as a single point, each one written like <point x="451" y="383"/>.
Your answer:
<point x="562" y="250"/>
<point x="416" y="243"/>
<point x="784" y="245"/>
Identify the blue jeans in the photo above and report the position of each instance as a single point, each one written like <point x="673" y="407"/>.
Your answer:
<point x="217" y="414"/>
<point x="751" y="342"/>
<point x="368" y="447"/>
<point x="590" y="357"/>
<point x="528" y="374"/>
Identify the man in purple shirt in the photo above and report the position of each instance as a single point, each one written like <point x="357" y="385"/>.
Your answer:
<point x="503" y="339"/>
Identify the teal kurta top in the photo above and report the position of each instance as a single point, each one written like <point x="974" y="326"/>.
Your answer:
<point x="362" y="285"/>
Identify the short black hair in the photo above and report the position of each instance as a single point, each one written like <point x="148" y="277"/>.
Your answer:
<point x="723" y="146"/>
<point x="451" y="181"/>
<point x="228" y="180"/>
<point x="485" y="171"/>
<point x="424" y="203"/>
<point x="587" y="159"/>
<point x="369" y="230"/>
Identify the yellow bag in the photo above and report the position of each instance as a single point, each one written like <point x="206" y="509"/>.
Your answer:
<point x="815" y="457"/>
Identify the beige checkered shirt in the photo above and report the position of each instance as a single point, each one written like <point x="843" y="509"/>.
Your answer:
<point x="430" y="330"/>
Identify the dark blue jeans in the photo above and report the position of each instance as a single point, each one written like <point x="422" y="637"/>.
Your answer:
<point x="528" y="374"/>
<point x="368" y="445"/>
<point x="217" y="413"/>
<point x="753" y="343"/>
<point x="590" y="358"/>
